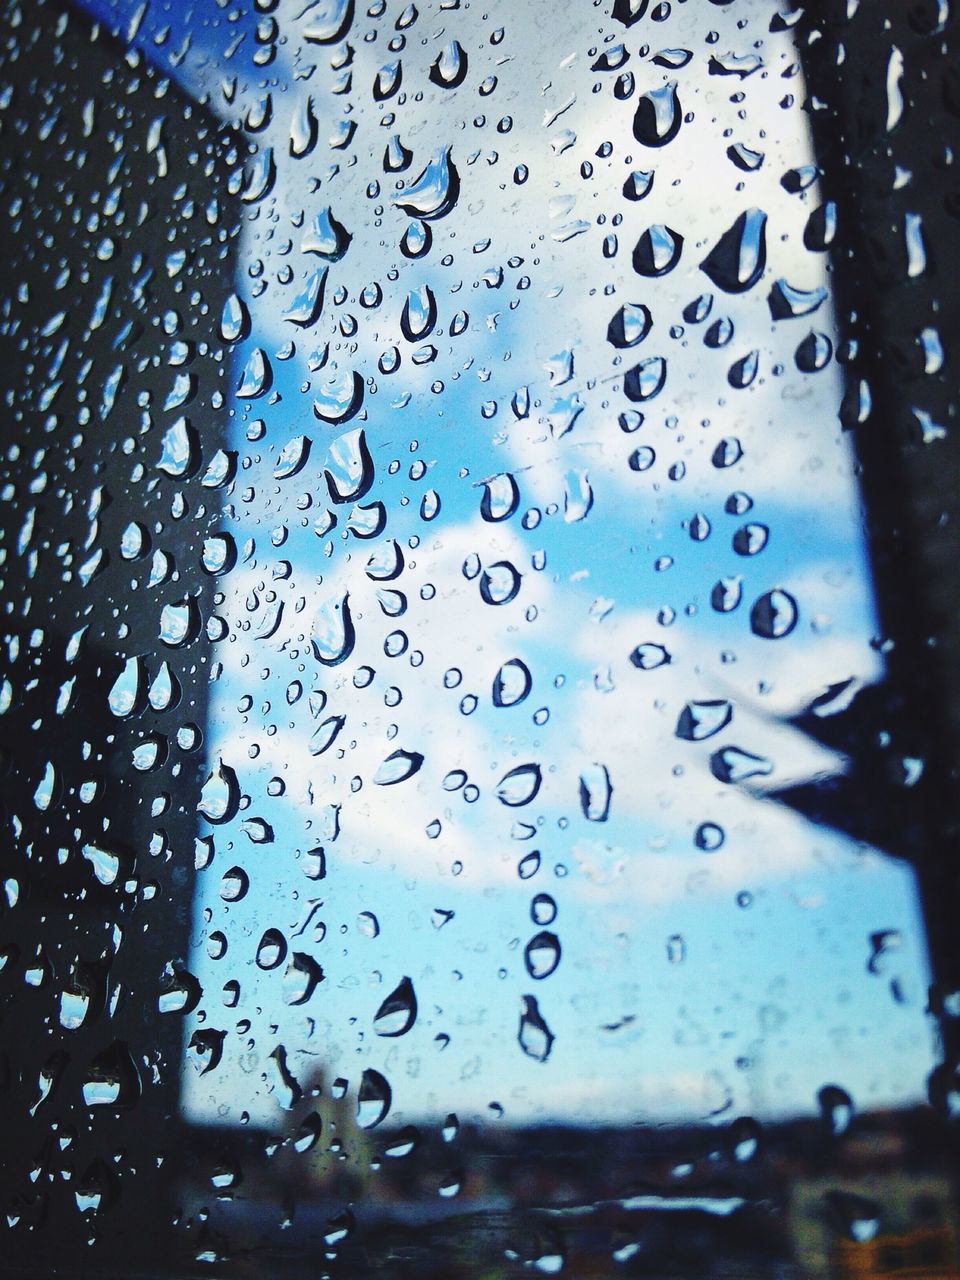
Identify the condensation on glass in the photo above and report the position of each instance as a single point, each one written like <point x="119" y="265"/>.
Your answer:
<point x="432" y="543"/>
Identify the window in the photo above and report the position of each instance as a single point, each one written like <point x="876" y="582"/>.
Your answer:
<point x="478" y="640"/>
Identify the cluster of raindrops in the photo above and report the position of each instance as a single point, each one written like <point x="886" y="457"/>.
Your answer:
<point x="410" y="411"/>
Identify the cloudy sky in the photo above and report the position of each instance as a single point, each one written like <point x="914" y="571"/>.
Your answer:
<point x="689" y="978"/>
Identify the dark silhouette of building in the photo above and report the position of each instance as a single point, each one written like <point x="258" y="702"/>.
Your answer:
<point x="120" y="231"/>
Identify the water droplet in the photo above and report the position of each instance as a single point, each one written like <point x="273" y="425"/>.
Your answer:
<point x="836" y="1109"/>
<point x="499" y="583"/>
<point x="449" y="68"/>
<point x="339" y="398"/>
<point x="304" y="129"/>
<point x="398" y="767"/>
<point x="348" y="467"/>
<point x="629" y="11"/>
<point x="814" y="352"/>
<point x="542" y="954"/>
<point x="642" y="459"/>
<point x="740" y="65"/>
<point x="520" y="785"/>
<point x="105" y="863"/>
<point x="743" y="371"/>
<point x="700" y="720"/>
<point x="373" y="1099"/>
<point x="220" y="471"/>
<point x="577" y="496"/>
<point x="696" y="312"/>
<point x="403" y="1143"/>
<point x="234" y="884"/>
<point x="180" y="450"/>
<point x="435" y="192"/>
<point x="396" y="156"/>
<point x="234" y="319"/>
<point x="387" y="81"/>
<point x="332" y="634"/>
<point x="127" y="691"/>
<point x="219" y="553"/>
<point x="750" y="539"/>
<point x="733" y="765"/>
<point x="416" y="240"/>
<point x="501" y="497"/>
<point x="639" y="184"/>
<point x="327" y="237"/>
<point x="646" y="379"/>
<point x="305" y="309"/>
<point x="738" y="259"/>
<point x="709" y="837"/>
<point x="657" y="251"/>
<point x="300" y="978"/>
<point x="220" y="795"/>
<point x="325" y="734"/>
<point x="419" y="313"/>
<point x="329" y="21"/>
<point x="261" y="177"/>
<point x="134" y="541"/>
<point x="534" y="1036"/>
<point x="512" y="683"/>
<point x="647" y="657"/>
<point x="398" y="1012"/>
<point x="596" y="792"/>
<point x="179" y="623"/>
<point x="385" y="564"/>
<point x="271" y="950"/>
<point x="821" y="229"/>
<point x="257" y="377"/>
<point x="112" y="1079"/>
<point x="611" y="59"/>
<point x="727" y="453"/>
<point x="787" y="303"/>
<point x="630" y="325"/>
<point x="368" y="925"/>
<point x="165" y="690"/>
<point x="747" y="160"/>
<point x="774" y="615"/>
<point x="658" y="116"/>
<point x="528" y="865"/>
<point x="339" y="1228"/>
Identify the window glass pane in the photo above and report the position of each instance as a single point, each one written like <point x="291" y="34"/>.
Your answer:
<point x="459" y="747"/>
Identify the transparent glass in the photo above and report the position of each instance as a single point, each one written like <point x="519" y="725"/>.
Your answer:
<point x="477" y="712"/>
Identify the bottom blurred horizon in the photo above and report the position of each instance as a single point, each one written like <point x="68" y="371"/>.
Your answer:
<point x="834" y="1196"/>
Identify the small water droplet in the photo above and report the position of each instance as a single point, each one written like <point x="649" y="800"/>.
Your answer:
<point x="220" y="795"/>
<point x="738" y="259"/>
<point x="658" y="116"/>
<point x="596" y="793"/>
<point x="774" y="615"/>
<point x="271" y="950"/>
<point x="520" y="785"/>
<point x="534" y="1036"/>
<point x="734" y="765"/>
<point x="435" y="192"/>
<point x="449" y="68"/>
<point x="499" y="583"/>
<point x="398" y="1012"/>
<point x="398" y="767"/>
<point x="542" y="954"/>
<point x="332" y="633"/>
<point x="700" y="720"/>
<point x="373" y="1099"/>
<point x="512" y="683"/>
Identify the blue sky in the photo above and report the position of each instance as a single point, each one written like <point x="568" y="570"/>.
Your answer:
<point x="775" y="924"/>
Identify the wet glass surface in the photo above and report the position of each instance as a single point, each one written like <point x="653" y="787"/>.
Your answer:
<point x="477" y="707"/>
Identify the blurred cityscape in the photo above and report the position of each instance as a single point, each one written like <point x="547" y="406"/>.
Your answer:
<point x="841" y="1196"/>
